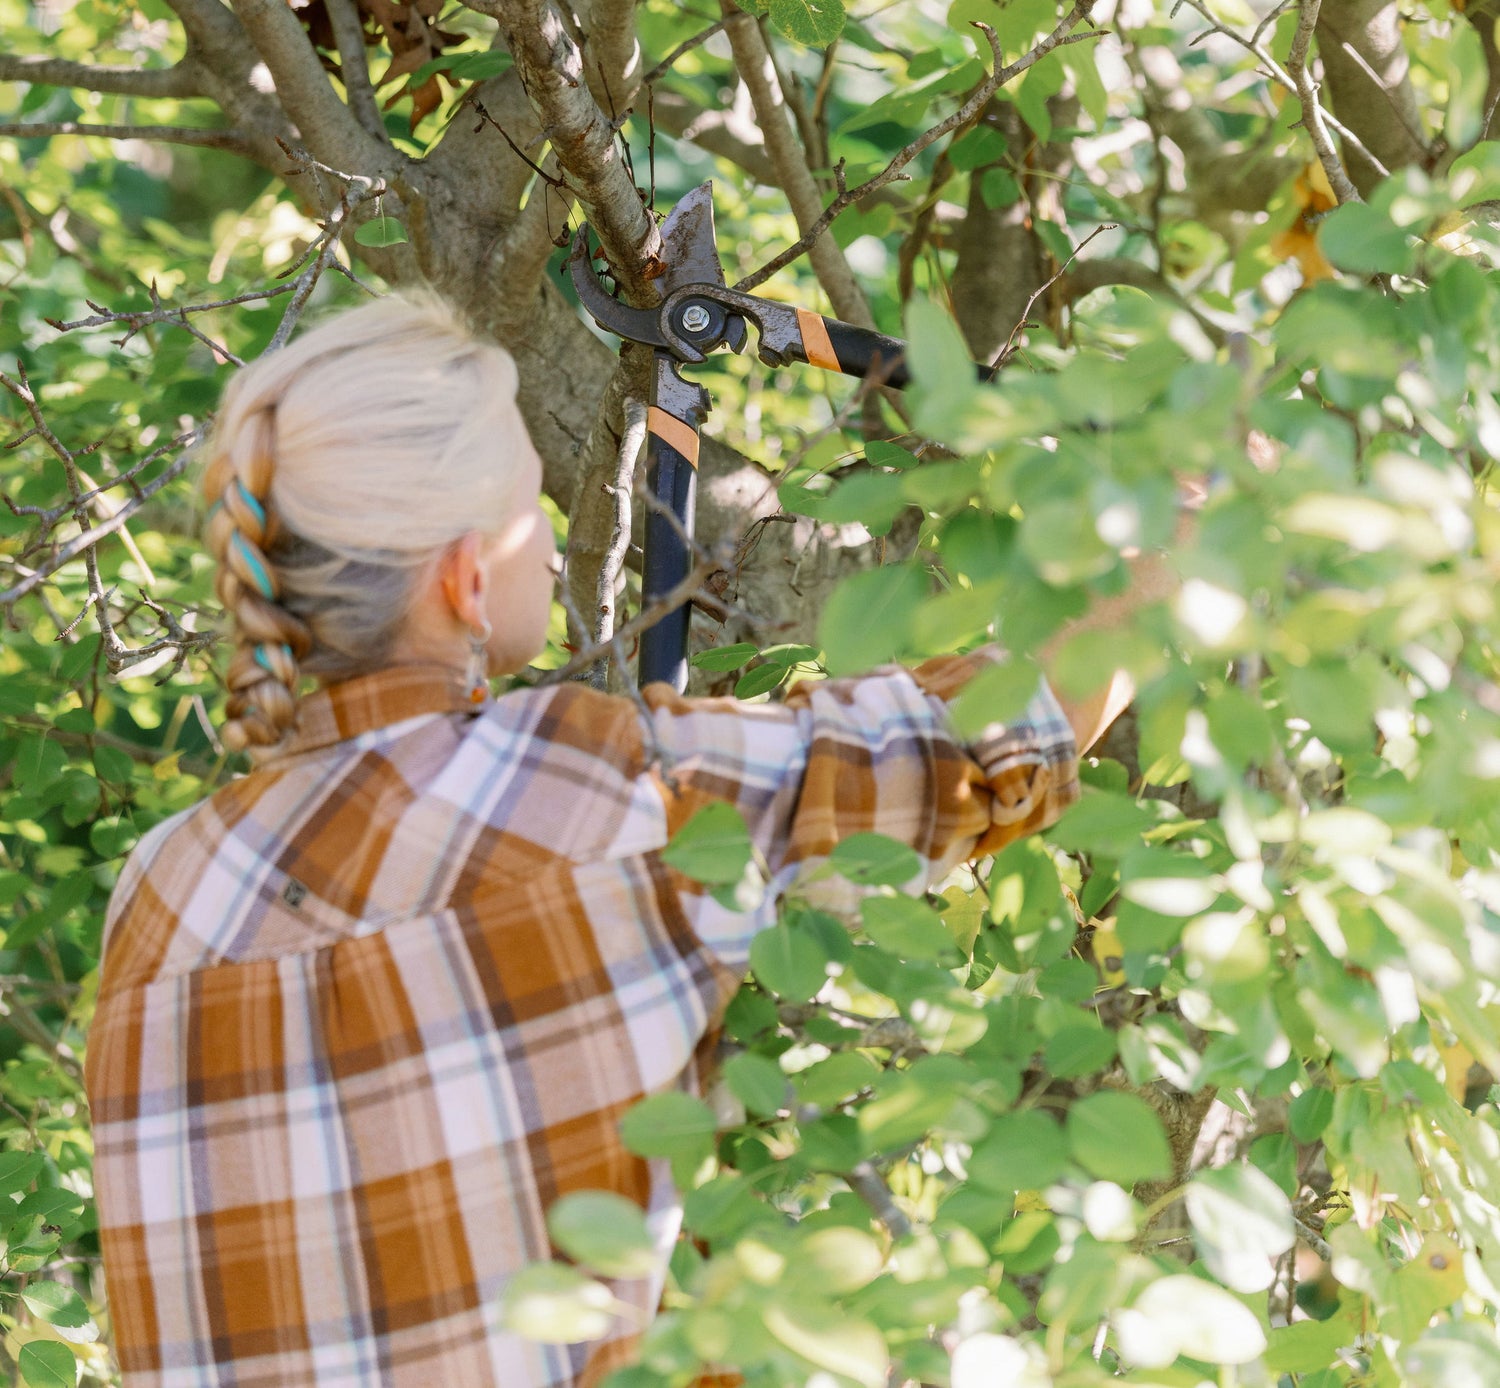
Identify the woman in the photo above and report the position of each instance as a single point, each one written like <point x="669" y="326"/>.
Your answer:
<point x="369" y="1010"/>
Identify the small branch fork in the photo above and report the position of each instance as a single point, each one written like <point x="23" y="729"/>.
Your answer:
<point x="1297" y="80"/>
<point x="84" y="504"/>
<point x="969" y="111"/>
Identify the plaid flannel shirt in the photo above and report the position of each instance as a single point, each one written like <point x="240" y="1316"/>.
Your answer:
<point x="368" y="1011"/>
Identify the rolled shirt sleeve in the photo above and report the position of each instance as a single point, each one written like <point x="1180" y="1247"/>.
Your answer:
<point x="876" y="754"/>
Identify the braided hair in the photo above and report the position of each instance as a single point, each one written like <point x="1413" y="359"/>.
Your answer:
<point x="339" y="468"/>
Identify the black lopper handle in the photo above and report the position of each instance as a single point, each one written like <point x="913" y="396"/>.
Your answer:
<point x="837" y="346"/>
<point x="673" y="479"/>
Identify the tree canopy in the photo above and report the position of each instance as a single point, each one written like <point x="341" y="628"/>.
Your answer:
<point x="1197" y="1087"/>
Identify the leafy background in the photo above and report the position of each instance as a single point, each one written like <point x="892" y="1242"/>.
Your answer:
<point x="1197" y="1088"/>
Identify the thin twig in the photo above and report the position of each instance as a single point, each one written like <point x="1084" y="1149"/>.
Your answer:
<point x="866" y="1182"/>
<point x="486" y="119"/>
<point x="1282" y="76"/>
<point x="976" y="103"/>
<point x="1312" y="112"/>
<point x="686" y="46"/>
<point x="668" y="602"/>
<point x="1010" y="348"/>
<point x="169" y="134"/>
<point x="619" y="540"/>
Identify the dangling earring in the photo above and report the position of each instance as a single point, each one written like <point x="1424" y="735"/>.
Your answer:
<point x="476" y="676"/>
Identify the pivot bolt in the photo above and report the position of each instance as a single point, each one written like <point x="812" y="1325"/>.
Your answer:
<point x="695" y="318"/>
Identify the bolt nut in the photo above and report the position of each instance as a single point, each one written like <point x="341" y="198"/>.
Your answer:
<point x="695" y="318"/>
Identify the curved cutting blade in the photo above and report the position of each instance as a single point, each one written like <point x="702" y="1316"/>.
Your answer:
<point x="636" y="324"/>
<point x="689" y="249"/>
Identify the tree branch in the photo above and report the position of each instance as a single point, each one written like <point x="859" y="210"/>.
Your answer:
<point x="551" y="70"/>
<point x="176" y="81"/>
<point x="613" y="566"/>
<point x="1312" y="112"/>
<point x="613" y="53"/>
<point x="327" y="127"/>
<point x="976" y="103"/>
<point x="724" y="133"/>
<point x="349" y="35"/>
<point x="168" y="134"/>
<point x="1367" y="73"/>
<point x="686" y="46"/>
<point x="752" y="60"/>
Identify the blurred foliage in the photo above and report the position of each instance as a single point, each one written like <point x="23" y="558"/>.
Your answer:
<point x="1198" y="1088"/>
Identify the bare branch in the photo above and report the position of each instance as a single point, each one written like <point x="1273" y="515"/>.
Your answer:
<point x="971" y="109"/>
<point x="867" y="1183"/>
<point x="752" y="60"/>
<point x="177" y="81"/>
<point x="614" y="54"/>
<point x="1283" y="76"/>
<point x="619" y="540"/>
<point x="668" y="602"/>
<point x="234" y="140"/>
<point x="686" y="46"/>
<point x="551" y="70"/>
<point x="1312" y="112"/>
<point x="325" y="124"/>
<point x="1011" y="346"/>
<point x="349" y="35"/>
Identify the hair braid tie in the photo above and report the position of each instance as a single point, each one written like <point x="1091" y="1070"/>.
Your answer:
<point x="263" y="673"/>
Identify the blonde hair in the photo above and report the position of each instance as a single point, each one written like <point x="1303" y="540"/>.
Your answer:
<point x="338" y="468"/>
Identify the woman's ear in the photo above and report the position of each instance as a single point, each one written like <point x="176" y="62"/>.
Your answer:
<point x="463" y="579"/>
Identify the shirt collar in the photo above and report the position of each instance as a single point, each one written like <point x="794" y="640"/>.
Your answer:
<point x="345" y="710"/>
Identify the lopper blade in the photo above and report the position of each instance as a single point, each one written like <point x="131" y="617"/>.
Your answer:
<point x="689" y="249"/>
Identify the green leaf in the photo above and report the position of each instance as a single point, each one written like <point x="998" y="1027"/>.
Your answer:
<point x="47" y="1364"/>
<point x="1079" y="1050"/>
<point x="1118" y="1137"/>
<point x="1033" y="923"/>
<point x="669" y="1124"/>
<point x="944" y="382"/>
<point x="1242" y="1224"/>
<point x="998" y="694"/>
<point x="381" y="231"/>
<point x="834" y="1143"/>
<point x="788" y="962"/>
<point x="1362" y="238"/>
<point x="757" y="1082"/>
<point x="906" y="927"/>
<point x="113" y="836"/>
<point x="55" y="1304"/>
<point x="54" y="1204"/>
<point x="603" y="1231"/>
<point x="1184" y="1315"/>
<point x="761" y="680"/>
<point x="1101" y="823"/>
<point x="879" y="453"/>
<point x="852" y="1349"/>
<point x="998" y="188"/>
<point x="870" y="617"/>
<point x="723" y="658"/>
<point x="817" y="23"/>
<point x="79" y="658"/>
<point x="18" y="1170"/>
<point x="713" y="846"/>
<point x="1467" y="83"/>
<point x="1023" y="1151"/>
<point x="1306" y="1346"/>
<point x="1309" y="1112"/>
<point x="557" y="1305"/>
<point x="875" y="860"/>
<point x="113" y="765"/>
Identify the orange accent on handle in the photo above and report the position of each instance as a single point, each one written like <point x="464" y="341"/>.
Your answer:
<point x="815" y="341"/>
<point x="671" y="430"/>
